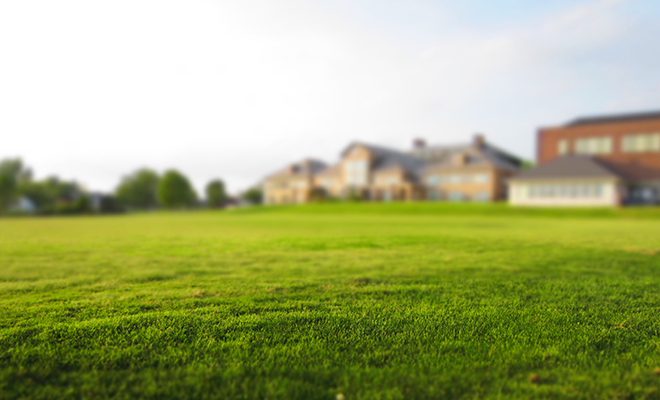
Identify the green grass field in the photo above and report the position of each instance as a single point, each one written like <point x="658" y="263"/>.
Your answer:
<point x="370" y="301"/>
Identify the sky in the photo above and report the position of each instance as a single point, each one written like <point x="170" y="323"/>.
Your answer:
<point x="92" y="90"/>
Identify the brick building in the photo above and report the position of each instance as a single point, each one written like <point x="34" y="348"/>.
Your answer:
<point x="625" y="149"/>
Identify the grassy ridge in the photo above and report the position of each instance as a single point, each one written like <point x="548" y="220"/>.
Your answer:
<point x="372" y="301"/>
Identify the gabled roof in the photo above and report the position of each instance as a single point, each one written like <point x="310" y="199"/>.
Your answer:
<point x="481" y="152"/>
<point x="330" y="170"/>
<point x="308" y="166"/>
<point x="484" y="154"/>
<point x="439" y="153"/>
<point x="605" y="119"/>
<point x="570" y="167"/>
<point x="385" y="158"/>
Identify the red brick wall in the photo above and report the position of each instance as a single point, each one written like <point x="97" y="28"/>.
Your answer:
<point x="634" y="165"/>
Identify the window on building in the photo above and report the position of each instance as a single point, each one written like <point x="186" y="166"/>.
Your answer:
<point x="642" y="142"/>
<point x="455" y="178"/>
<point x="394" y="180"/>
<point x="327" y="183"/>
<point x="357" y="173"/>
<point x="562" y="147"/>
<point x="433" y="180"/>
<point x="567" y="190"/>
<point x="596" y="145"/>
<point x="598" y="190"/>
<point x="435" y="195"/>
<point x="482" y="178"/>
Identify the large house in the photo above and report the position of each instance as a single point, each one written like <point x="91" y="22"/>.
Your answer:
<point x="475" y="171"/>
<point x="596" y="161"/>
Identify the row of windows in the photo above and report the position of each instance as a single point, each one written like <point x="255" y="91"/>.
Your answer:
<point x="601" y="145"/>
<point x="357" y="177"/>
<point x="641" y="143"/>
<point x="458" y="196"/>
<point x="435" y="180"/>
<point x="287" y="185"/>
<point x="388" y="180"/>
<point x="327" y="182"/>
<point x="575" y="190"/>
<point x="637" y="143"/>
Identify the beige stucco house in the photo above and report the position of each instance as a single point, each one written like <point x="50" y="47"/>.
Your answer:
<point x="471" y="172"/>
<point x="476" y="172"/>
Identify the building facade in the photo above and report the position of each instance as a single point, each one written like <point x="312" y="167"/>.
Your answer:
<point x="624" y="149"/>
<point x="475" y="171"/>
<point x="293" y="184"/>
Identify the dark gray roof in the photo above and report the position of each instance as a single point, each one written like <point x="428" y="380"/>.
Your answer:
<point x="614" y="118"/>
<point x="438" y="153"/>
<point x="476" y="155"/>
<point x="567" y="167"/>
<point x="385" y="158"/>
<point x="330" y="170"/>
<point x="307" y="166"/>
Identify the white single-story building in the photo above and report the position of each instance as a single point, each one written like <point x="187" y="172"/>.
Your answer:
<point x="568" y="181"/>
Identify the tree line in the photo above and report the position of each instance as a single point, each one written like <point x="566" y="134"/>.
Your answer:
<point x="144" y="189"/>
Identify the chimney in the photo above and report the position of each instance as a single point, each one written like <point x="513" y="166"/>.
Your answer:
<point x="294" y="168"/>
<point x="419" y="144"/>
<point x="479" y="140"/>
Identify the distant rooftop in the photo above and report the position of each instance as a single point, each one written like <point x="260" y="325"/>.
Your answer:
<point x="308" y="166"/>
<point x="570" y="166"/>
<point x="605" y="119"/>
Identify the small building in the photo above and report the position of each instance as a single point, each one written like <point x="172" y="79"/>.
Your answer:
<point x="573" y="180"/>
<point x="617" y="156"/>
<point x="102" y="203"/>
<point x="24" y="205"/>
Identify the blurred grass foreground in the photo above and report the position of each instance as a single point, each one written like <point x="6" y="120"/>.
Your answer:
<point x="359" y="301"/>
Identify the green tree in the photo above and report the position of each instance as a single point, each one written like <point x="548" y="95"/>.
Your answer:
<point x="12" y="174"/>
<point x="175" y="191"/>
<point x="253" y="195"/>
<point x="53" y="195"/>
<point x="216" y="196"/>
<point x="139" y="190"/>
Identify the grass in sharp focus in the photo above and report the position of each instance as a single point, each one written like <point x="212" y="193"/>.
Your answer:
<point x="372" y="301"/>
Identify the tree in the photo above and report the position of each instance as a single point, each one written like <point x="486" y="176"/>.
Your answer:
<point x="253" y="195"/>
<point x="175" y="191"/>
<point x="139" y="190"/>
<point x="216" y="196"/>
<point x="53" y="195"/>
<point x="12" y="174"/>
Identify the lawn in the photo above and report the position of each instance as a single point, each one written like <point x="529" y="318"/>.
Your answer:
<point x="363" y="300"/>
